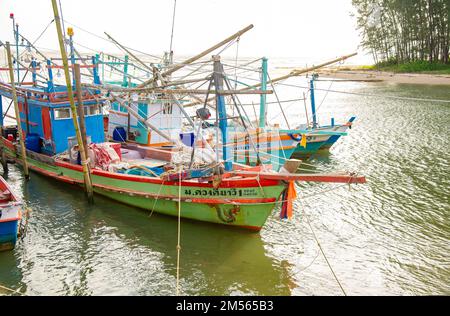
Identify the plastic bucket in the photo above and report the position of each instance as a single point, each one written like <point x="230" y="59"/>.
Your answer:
<point x="33" y="142"/>
<point x="120" y="135"/>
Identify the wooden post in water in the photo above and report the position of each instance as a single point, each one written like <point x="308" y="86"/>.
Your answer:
<point x="16" y="108"/>
<point x="80" y="108"/>
<point x="84" y="161"/>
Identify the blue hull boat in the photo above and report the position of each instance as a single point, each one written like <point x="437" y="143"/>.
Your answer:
<point x="10" y="217"/>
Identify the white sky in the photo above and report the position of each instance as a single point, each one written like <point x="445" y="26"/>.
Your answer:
<point x="307" y="30"/>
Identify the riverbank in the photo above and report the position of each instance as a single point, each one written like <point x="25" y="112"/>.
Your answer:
<point x="378" y="76"/>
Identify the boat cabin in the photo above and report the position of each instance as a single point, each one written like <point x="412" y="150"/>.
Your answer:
<point x="46" y="116"/>
<point x="160" y="112"/>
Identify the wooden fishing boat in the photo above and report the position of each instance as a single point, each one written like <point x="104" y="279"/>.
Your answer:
<point x="164" y="181"/>
<point x="320" y="138"/>
<point x="10" y="216"/>
<point x="231" y="198"/>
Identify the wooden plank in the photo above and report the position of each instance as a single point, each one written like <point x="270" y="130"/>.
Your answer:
<point x="328" y="178"/>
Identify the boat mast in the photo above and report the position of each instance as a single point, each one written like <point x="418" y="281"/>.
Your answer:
<point x="222" y="112"/>
<point x="263" y="105"/>
<point x="16" y="38"/>
<point x="313" y="100"/>
<point x="16" y="108"/>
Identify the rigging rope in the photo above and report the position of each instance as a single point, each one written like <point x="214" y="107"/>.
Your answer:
<point x="179" y="234"/>
<point x="278" y="100"/>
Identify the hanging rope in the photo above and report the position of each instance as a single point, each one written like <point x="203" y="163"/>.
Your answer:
<point x="45" y="30"/>
<point x="320" y="246"/>
<point x="179" y="234"/>
<point x="278" y="100"/>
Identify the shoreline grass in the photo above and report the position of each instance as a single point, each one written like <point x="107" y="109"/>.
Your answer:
<point x="420" y="67"/>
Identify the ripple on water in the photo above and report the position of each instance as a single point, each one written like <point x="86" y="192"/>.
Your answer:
<point x="390" y="236"/>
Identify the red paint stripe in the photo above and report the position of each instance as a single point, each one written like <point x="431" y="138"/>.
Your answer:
<point x="253" y="228"/>
<point x="10" y="220"/>
<point x="8" y="144"/>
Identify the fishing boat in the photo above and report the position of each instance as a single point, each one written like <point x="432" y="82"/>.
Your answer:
<point x="250" y="146"/>
<point x="10" y="216"/>
<point x="319" y="138"/>
<point x="60" y="134"/>
<point x="235" y="195"/>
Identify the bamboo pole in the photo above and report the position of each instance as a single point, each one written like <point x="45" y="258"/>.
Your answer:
<point x="79" y="91"/>
<point x="202" y="54"/>
<point x="16" y="108"/>
<point x="86" y="174"/>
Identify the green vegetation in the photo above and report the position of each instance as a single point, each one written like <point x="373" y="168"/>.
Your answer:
<point x="413" y="67"/>
<point x="406" y="35"/>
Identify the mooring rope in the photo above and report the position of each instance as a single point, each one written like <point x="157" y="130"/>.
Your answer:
<point x="179" y="234"/>
<point x="320" y="247"/>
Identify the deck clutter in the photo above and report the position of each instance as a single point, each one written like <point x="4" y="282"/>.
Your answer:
<point x="162" y="137"/>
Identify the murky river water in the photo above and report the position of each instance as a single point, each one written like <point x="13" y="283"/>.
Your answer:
<point x="390" y="236"/>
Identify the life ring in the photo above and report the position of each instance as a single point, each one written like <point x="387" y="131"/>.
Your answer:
<point x="297" y="139"/>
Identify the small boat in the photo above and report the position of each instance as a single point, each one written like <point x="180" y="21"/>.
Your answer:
<point x="10" y="216"/>
<point x="319" y="138"/>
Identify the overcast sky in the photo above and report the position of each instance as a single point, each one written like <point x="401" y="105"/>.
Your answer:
<point x="303" y="29"/>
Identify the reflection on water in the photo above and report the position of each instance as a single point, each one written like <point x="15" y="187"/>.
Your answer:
<point x="73" y="248"/>
<point x="390" y="236"/>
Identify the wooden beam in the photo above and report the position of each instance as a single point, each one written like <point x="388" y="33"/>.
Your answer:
<point x="174" y="91"/>
<point x="80" y="107"/>
<point x="196" y="57"/>
<point x="328" y="177"/>
<point x="84" y="161"/>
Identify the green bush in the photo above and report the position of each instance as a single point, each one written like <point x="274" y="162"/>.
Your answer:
<point x="416" y="66"/>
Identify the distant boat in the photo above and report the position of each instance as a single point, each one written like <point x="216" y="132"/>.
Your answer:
<point x="317" y="142"/>
<point x="10" y="216"/>
<point x="320" y="138"/>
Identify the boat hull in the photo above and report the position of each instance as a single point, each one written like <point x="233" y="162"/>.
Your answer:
<point x="311" y="148"/>
<point x="273" y="149"/>
<point x="244" y="203"/>
<point x="9" y="226"/>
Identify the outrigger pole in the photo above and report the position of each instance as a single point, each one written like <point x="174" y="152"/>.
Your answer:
<point x="196" y="57"/>
<point x="16" y="108"/>
<point x="84" y="161"/>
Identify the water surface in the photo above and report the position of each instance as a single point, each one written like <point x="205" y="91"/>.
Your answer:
<point x="390" y="236"/>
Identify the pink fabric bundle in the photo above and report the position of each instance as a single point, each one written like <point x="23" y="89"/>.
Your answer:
<point x="104" y="155"/>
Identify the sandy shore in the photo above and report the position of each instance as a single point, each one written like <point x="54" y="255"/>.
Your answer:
<point x="378" y="76"/>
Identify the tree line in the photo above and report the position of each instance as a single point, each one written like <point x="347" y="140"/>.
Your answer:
<point x="403" y="31"/>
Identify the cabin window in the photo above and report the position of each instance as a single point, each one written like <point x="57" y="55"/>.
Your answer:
<point x="167" y="108"/>
<point x="91" y="110"/>
<point x="62" y="114"/>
